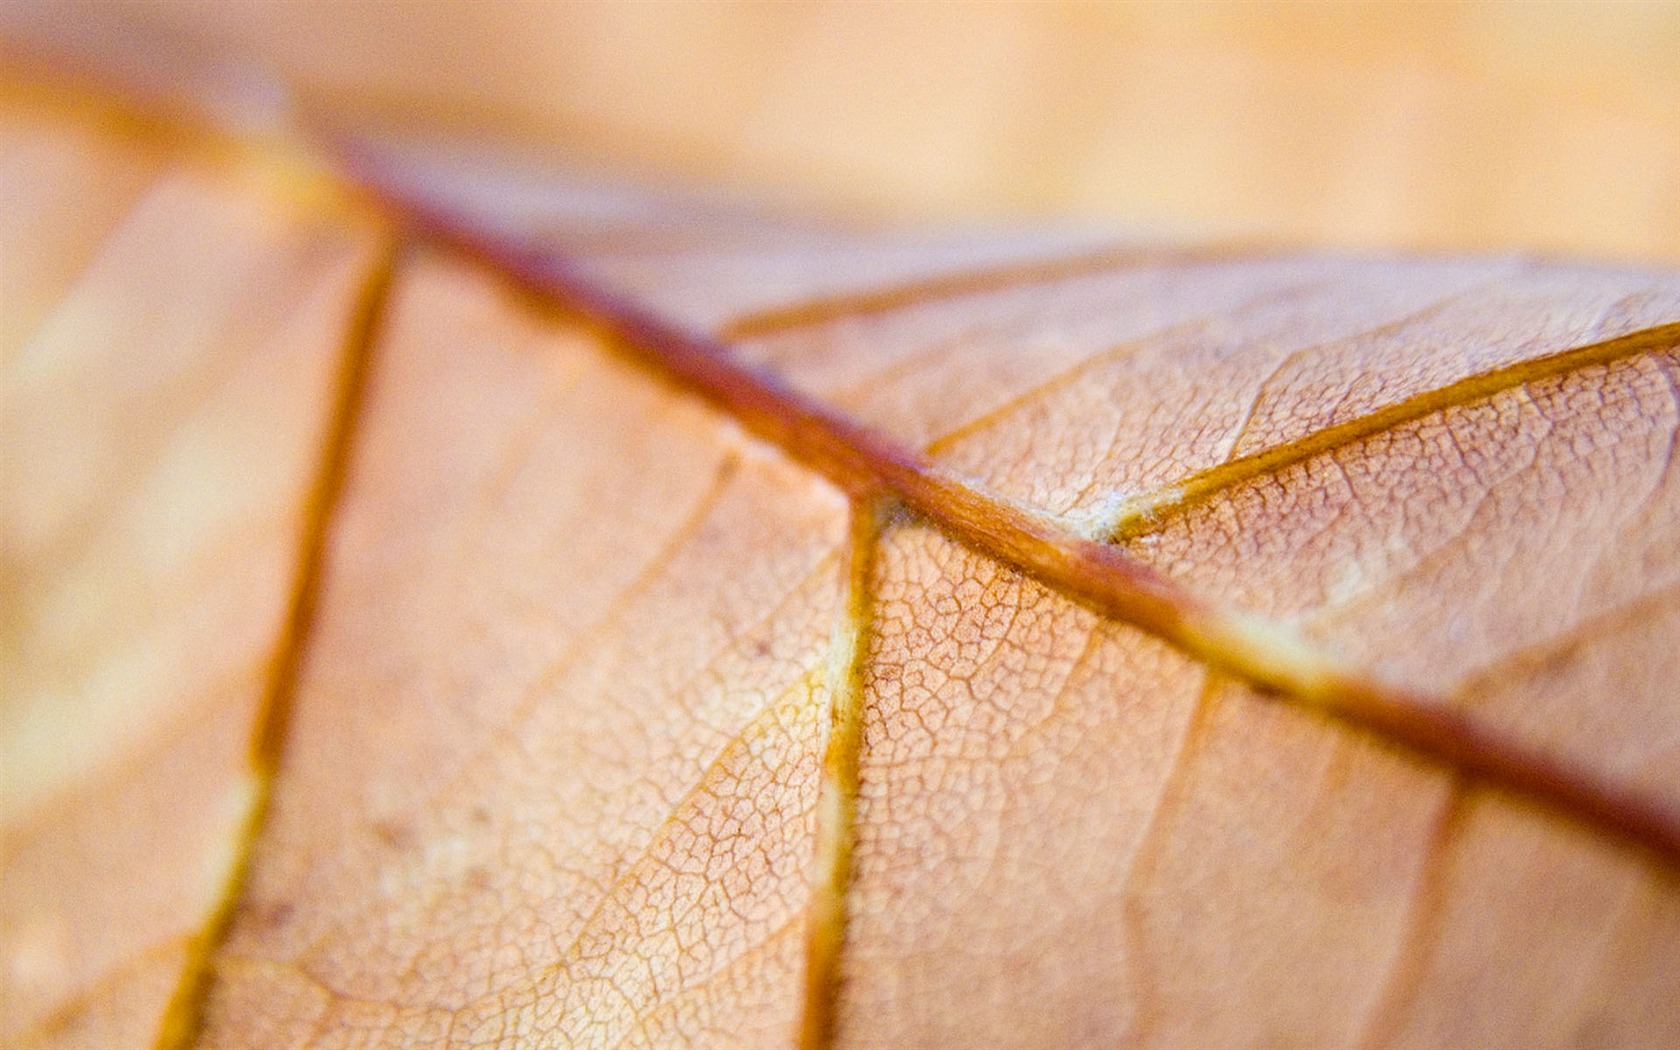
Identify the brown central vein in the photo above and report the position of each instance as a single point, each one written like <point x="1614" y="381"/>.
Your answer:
<point x="184" y="1016"/>
<point x="1098" y="575"/>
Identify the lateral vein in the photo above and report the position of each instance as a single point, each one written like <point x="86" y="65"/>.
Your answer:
<point x="836" y="831"/>
<point x="1096" y="574"/>
<point x="183" y="1018"/>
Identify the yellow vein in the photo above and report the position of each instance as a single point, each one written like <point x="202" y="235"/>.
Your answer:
<point x="837" y="803"/>
<point x="1149" y="512"/>
<point x="184" y="1016"/>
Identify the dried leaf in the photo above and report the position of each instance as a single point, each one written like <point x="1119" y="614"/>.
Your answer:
<point x="809" y="634"/>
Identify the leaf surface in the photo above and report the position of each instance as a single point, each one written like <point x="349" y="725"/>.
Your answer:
<point x="1226" y="648"/>
<point x="172" y="357"/>
<point x="552" y="769"/>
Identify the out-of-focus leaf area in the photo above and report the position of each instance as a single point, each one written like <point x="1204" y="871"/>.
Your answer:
<point x="1443" y="125"/>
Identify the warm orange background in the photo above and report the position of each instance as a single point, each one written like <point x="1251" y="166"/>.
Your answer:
<point x="1553" y="126"/>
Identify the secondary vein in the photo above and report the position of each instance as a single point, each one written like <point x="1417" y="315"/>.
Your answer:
<point x="1097" y="575"/>
<point x="836" y="831"/>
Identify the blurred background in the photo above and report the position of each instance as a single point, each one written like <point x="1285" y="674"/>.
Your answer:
<point x="1546" y="126"/>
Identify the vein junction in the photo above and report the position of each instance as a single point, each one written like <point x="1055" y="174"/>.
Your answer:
<point x="879" y="474"/>
<point x="1096" y="574"/>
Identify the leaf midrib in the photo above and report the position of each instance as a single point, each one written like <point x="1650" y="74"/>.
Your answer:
<point x="877" y="470"/>
<point x="870" y="465"/>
